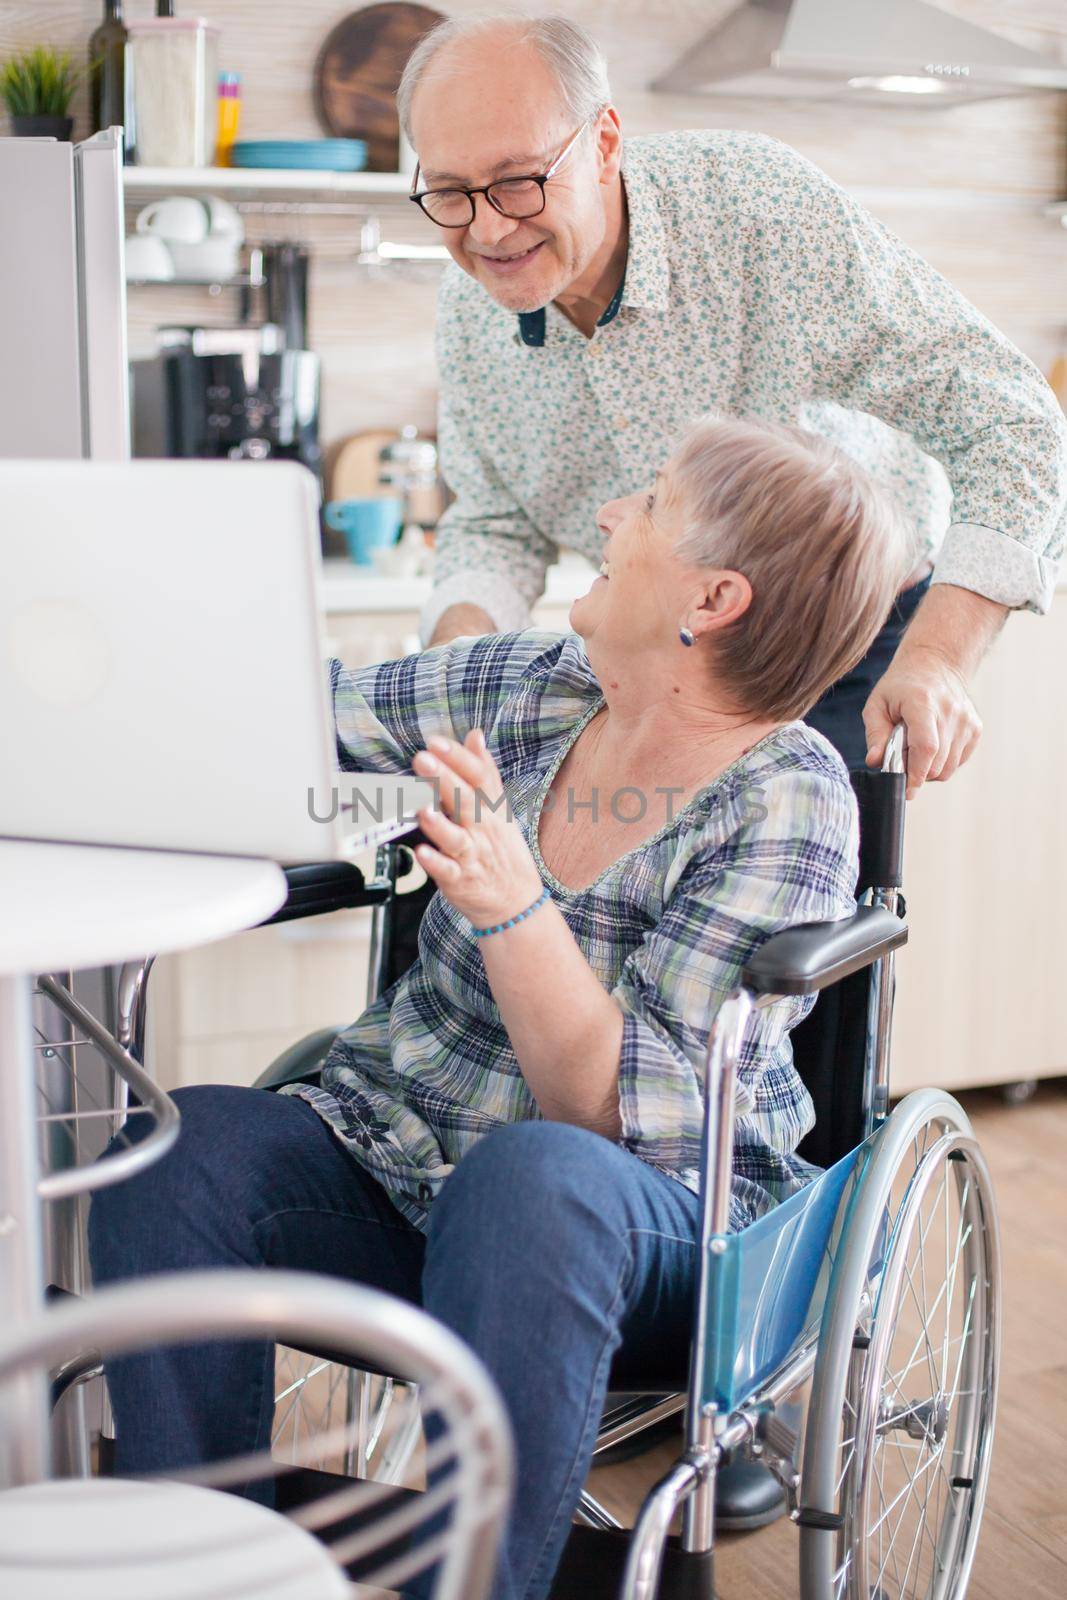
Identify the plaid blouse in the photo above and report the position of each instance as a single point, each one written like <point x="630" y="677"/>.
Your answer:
<point x="771" y="842"/>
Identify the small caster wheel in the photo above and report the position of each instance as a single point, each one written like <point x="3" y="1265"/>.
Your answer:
<point x="1017" y="1094"/>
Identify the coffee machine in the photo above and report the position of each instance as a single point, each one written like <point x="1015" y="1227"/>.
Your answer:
<point x="247" y="392"/>
<point x="232" y="393"/>
<point x="239" y="393"/>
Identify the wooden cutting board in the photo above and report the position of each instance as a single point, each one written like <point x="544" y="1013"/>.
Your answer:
<point x="357" y="73"/>
<point x="354" y="473"/>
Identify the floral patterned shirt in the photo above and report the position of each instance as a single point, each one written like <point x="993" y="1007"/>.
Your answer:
<point x="756" y="286"/>
<point x="771" y="842"/>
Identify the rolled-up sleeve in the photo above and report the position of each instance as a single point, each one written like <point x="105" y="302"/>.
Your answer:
<point x="488" y="552"/>
<point x="383" y="715"/>
<point x="790" y="860"/>
<point x="883" y="332"/>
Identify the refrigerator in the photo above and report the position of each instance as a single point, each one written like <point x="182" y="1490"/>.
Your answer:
<point x="64" y="385"/>
<point x="64" y="392"/>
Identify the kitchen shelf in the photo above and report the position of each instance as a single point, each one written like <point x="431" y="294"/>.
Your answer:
<point x="214" y="286"/>
<point x="263" y="183"/>
<point x="253" y="277"/>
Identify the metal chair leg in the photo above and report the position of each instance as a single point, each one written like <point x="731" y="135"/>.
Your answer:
<point x="645" y="1559"/>
<point x="131" y="1005"/>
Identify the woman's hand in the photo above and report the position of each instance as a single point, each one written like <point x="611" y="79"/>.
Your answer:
<point x="477" y="855"/>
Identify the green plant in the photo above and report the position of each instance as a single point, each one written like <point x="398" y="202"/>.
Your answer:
<point x="39" y="83"/>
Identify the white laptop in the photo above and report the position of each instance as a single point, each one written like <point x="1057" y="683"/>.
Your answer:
<point x="162" y="676"/>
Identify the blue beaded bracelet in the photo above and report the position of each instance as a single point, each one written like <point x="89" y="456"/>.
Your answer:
<point x="483" y="933"/>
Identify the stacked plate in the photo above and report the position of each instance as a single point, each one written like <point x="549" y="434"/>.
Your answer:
<point x="321" y="155"/>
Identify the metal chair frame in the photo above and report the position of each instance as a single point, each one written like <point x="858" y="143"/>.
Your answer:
<point x="473" y="1453"/>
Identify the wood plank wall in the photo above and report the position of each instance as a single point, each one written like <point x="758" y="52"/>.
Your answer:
<point x="965" y="187"/>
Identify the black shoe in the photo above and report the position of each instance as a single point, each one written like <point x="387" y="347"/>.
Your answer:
<point x="746" y="1496"/>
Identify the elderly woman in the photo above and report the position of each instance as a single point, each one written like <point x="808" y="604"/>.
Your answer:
<point x="509" y="1136"/>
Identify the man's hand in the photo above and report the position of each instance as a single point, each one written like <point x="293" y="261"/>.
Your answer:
<point x="926" y="685"/>
<point x="460" y="621"/>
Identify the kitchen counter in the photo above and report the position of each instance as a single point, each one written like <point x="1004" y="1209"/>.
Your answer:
<point x="348" y="587"/>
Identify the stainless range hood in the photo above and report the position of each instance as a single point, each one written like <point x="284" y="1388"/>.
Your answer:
<point x="884" y="52"/>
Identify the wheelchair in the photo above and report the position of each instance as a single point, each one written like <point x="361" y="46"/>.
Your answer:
<point x="877" y="1285"/>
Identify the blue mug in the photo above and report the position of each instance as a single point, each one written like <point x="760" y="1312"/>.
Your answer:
<point x="366" y="524"/>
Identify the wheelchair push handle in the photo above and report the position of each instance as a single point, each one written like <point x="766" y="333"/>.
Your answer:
<point x="895" y="756"/>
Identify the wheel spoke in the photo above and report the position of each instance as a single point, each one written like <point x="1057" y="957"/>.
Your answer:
<point x="923" y="1323"/>
<point x="908" y="1487"/>
<point x="963" y="1234"/>
<point x="908" y="1493"/>
<point x="963" y="1336"/>
<point x="940" y="1294"/>
<point x="293" y="1393"/>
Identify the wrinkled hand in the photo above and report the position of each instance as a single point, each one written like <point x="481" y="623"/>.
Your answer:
<point x="477" y="856"/>
<point x="922" y="690"/>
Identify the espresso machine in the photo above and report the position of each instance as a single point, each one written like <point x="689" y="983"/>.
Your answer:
<point x="246" y="392"/>
<point x="239" y="393"/>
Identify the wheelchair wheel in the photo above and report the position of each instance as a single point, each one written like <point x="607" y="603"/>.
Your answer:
<point x="352" y="1423"/>
<point x="900" y="1426"/>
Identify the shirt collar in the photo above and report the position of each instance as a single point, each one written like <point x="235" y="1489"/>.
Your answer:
<point x="646" y="276"/>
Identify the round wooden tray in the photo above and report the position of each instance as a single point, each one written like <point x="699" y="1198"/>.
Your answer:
<point x="358" y="71"/>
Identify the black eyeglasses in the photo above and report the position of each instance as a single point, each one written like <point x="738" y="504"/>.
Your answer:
<point x="512" y="197"/>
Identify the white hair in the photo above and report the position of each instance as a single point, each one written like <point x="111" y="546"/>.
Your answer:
<point x="568" y="50"/>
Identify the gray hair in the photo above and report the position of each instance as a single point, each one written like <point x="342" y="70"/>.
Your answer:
<point x="568" y="50"/>
<point x="824" y="548"/>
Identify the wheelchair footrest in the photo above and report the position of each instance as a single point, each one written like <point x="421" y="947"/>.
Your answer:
<point x="594" y="1560"/>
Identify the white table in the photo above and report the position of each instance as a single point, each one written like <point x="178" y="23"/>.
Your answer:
<point x="106" y="1539"/>
<point x="64" y="907"/>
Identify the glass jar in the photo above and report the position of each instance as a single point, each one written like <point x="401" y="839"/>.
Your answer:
<point x="172" y="73"/>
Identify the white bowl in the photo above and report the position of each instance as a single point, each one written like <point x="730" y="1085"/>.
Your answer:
<point x="177" y="217"/>
<point x="210" y="261"/>
<point x="225" y="221"/>
<point x="147" y="259"/>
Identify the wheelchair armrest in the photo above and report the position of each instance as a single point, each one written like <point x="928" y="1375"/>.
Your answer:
<point x="806" y="959"/>
<point x="326" y="886"/>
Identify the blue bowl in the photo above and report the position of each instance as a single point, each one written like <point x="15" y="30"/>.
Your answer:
<point x="366" y="524"/>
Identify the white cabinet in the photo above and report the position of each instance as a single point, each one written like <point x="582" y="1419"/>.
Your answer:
<point x="981" y="992"/>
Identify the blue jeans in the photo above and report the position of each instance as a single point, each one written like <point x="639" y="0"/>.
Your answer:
<point x="547" y="1248"/>
<point x="839" y="714"/>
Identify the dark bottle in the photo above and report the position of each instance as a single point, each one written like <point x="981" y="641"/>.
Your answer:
<point x="107" y="69"/>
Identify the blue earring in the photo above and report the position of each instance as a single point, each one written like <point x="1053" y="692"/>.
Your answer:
<point x="687" y="636"/>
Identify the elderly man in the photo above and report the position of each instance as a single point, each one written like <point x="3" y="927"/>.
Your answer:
<point x="607" y="296"/>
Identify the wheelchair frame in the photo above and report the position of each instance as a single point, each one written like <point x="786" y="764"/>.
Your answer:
<point x="864" y="1256"/>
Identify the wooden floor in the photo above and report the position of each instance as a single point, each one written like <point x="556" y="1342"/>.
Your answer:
<point x="1023" y="1550"/>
